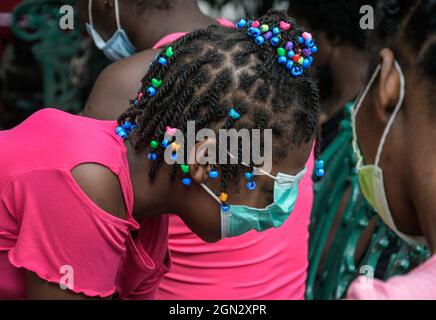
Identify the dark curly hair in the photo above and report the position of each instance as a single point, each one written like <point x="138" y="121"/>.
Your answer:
<point x="337" y="18"/>
<point x="215" y="69"/>
<point x="408" y="28"/>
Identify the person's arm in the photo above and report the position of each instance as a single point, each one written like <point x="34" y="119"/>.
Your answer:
<point x="116" y="85"/>
<point x="101" y="187"/>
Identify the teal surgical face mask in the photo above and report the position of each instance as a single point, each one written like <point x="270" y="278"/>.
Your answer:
<point x="118" y="46"/>
<point x="371" y="176"/>
<point x="240" y="219"/>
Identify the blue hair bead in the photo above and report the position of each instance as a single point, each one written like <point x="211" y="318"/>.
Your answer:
<point x="174" y="156"/>
<point x="306" y="63"/>
<point x="213" y="174"/>
<point x="314" y="49"/>
<point x="165" y="143"/>
<point x="251" y="185"/>
<point x="152" y="156"/>
<point x="234" y="114"/>
<point x="275" y="41"/>
<point x="121" y="133"/>
<point x="163" y="61"/>
<point x="297" y="71"/>
<point x="282" y="60"/>
<point x="320" y="172"/>
<point x="249" y="175"/>
<point x="254" y="32"/>
<point x="225" y="207"/>
<point x="241" y="23"/>
<point x="291" y="54"/>
<point x="320" y="164"/>
<point x="309" y="43"/>
<point x="290" y="65"/>
<point x="300" y="40"/>
<point x="127" y="125"/>
<point x="186" y="181"/>
<point x="259" y="40"/>
<point x="276" y="30"/>
<point x="151" y="91"/>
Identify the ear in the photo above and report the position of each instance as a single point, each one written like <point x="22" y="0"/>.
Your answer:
<point x="388" y="88"/>
<point x="200" y="156"/>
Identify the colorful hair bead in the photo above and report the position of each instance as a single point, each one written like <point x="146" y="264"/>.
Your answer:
<point x="241" y="23"/>
<point x="213" y="174"/>
<point x="319" y="168"/>
<point x="225" y="207"/>
<point x="154" y="144"/>
<point x="165" y="143"/>
<point x="289" y="46"/>
<point x="291" y="54"/>
<point x="282" y="60"/>
<point x="151" y="91"/>
<point x="175" y="146"/>
<point x="285" y="26"/>
<point x="234" y="114"/>
<point x="254" y="32"/>
<point x="170" y="131"/>
<point x="259" y="40"/>
<point x="275" y="41"/>
<point x="306" y="52"/>
<point x="255" y="24"/>
<point x="276" y="30"/>
<point x="156" y="83"/>
<point x="223" y="197"/>
<point x="152" y="156"/>
<point x="264" y="28"/>
<point x="121" y="132"/>
<point x="306" y="63"/>
<point x="297" y="71"/>
<point x="268" y="35"/>
<point x="281" y="51"/>
<point x="169" y="52"/>
<point x="186" y="181"/>
<point x="300" y="40"/>
<point x="249" y="175"/>
<point x="309" y="43"/>
<point x="306" y="35"/>
<point x="184" y="168"/>
<point x="163" y="61"/>
<point x="289" y="65"/>
<point x="314" y="49"/>
<point x="174" y="156"/>
<point x="251" y="185"/>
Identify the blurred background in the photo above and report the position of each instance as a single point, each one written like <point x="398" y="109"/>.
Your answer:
<point x="41" y="65"/>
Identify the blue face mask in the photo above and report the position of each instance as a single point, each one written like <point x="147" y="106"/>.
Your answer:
<point x="118" y="46"/>
<point x="240" y="219"/>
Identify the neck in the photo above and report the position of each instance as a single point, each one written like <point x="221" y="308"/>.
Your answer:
<point x="181" y="18"/>
<point x="146" y="203"/>
<point x="347" y="66"/>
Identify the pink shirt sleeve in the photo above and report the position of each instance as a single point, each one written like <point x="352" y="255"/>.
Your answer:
<point x="419" y="284"/>
<point x="62" y="235"/>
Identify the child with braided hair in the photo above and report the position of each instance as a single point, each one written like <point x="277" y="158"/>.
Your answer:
<point x="75" y="191"/>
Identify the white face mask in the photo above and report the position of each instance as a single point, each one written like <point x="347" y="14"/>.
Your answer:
<point x="371" y="176"/>
<point x="118" y="46"/>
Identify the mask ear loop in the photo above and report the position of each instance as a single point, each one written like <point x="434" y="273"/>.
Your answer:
<point x="117" y="14"/>
<point x="91" y="20"/>
<point x="394" y="114"/>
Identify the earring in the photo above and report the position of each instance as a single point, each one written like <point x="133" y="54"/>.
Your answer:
<point x="320" y="168"/>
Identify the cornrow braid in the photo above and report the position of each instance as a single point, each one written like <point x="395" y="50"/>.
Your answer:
<point x="207" y="73"/>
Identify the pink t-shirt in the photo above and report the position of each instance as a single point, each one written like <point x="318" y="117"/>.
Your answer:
<point x="49" y="226"/>
<point x="419" y="284"/>
<point x="269" y="265"/>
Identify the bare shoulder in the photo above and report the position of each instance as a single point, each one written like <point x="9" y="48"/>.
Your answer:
<point x="116" y="85"/>
<point x="102" y="187"/>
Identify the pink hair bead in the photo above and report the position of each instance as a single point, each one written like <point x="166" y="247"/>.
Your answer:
<point x="306" y="35"/>
<point x="140" y="95"/>
<point x="255" y="24"/>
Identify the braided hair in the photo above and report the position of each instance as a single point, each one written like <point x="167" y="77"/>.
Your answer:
<point x="217" y="68"/>
<point x="408" y="28"/>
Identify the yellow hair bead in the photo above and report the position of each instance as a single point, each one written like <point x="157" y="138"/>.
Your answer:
<point x="175" y="146"/>
<point x="223" y="197"/>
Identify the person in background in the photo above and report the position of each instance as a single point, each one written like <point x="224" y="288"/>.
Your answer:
<point x="342" y="60"/>
<point x="228" y="269"/>
<point x="394" y="139"/>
